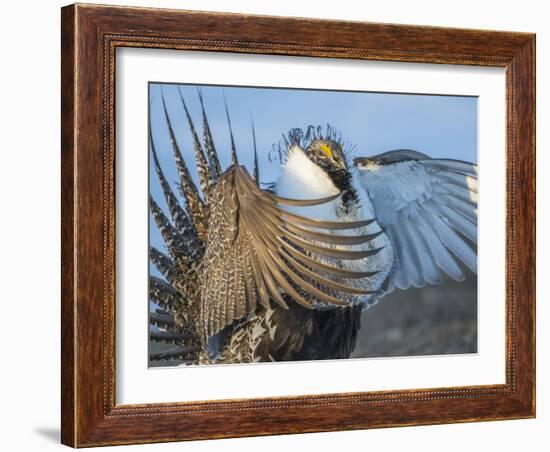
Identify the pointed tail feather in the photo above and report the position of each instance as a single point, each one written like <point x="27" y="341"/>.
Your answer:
<point x="163" y="320"/>
<point x="180" y="219"/>
<point x="234" y="158"/>
<point x="176" y="355"/>
<point x="162" y="293"/>
<point x="203" y="167"/>
<point x="163" y="264"/>
<point x="175" y="243"/>
<point x="167" y="337"/>
<point x="256" y="166"/>
<point x="195" y="205"/>
<point x="215" y="166"/>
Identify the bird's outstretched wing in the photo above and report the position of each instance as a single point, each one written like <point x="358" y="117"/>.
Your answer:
<point x="256" y="252"/>
<point x="428" y="209"/>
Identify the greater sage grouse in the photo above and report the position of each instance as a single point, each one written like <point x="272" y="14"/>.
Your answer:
<point x="283" y="273"/>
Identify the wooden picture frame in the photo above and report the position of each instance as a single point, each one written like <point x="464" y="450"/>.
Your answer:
<point x="90" y="36"/>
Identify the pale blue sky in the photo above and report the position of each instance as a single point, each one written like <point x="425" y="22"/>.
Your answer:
<point x="440" y="126"/>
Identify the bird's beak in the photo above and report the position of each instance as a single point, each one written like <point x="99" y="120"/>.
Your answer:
<point x="360" y="162"/>
<point x="340" y="164"/>
<point x="366" y="164"/>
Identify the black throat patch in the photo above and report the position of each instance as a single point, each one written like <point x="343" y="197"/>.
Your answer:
<point x="341" y="178"/>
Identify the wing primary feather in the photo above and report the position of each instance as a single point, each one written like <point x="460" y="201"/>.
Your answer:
<point x="240" y="300"/>
<point x="276" y="262"/>
<point x="324" y="281"/>
<point x="466" y="209"/>
<point x="331" y="238"/>
<point x="213" y="326"/>
<point x="442" y="257"/>
<point x="273" y="289"/>
<point x="304" y="258"/>
<point x="459" y="192"/>
<point x="240" y="303"/>
<point x="319" y="223"/>
<point x="307" y="286"/>
<point x="407" y="267"/>
<point x="332" y="252"/>
<point x="245" y="181"/>
<point x="455" y="244"/>
<point x="455" y="219"/>
<point x="467" y="182"/>
<point x="296" y="240"/>
<point x="303" y="202"/>
<point x="420" y="252"/>
<point x="457" y="166"/>
<point x="270" y="267"/>
<point x="285" y="285"/>
<point x="250" y="287"/>
<point x="268" y="271"/>
<point x="228" y="312"/>
<point x="259" y="279"/>
<point x="279" y="262"/>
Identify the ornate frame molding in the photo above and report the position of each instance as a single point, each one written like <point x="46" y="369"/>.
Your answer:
<point x="90" y="37"/>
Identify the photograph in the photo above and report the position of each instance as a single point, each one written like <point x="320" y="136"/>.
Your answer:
<point x="291" y="224"/>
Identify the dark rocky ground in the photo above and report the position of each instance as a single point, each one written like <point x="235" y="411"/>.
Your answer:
<point x="429" y="321"/>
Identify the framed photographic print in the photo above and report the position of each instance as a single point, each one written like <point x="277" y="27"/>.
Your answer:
<point x="267" y="231"/>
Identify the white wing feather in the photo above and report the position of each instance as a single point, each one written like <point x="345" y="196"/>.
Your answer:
<point x="428" y="208"/>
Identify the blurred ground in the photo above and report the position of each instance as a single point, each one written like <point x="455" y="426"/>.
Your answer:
<point x="429" y="321"/>
<point x="434" y="320"/>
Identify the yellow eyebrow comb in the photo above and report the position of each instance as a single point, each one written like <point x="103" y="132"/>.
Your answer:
<point x="326" y="149"/>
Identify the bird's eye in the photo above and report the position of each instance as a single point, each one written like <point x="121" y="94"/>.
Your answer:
<point x="337" y="159"/>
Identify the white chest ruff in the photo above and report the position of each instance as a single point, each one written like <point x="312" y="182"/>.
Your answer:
<point x="301" y="179"/>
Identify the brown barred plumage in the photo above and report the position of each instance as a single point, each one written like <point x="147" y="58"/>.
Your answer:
<point x="195" y="205"/>
<point x="215" y="167"/>
<point x="205" y="175"/>
<point x="241" y="270"/>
